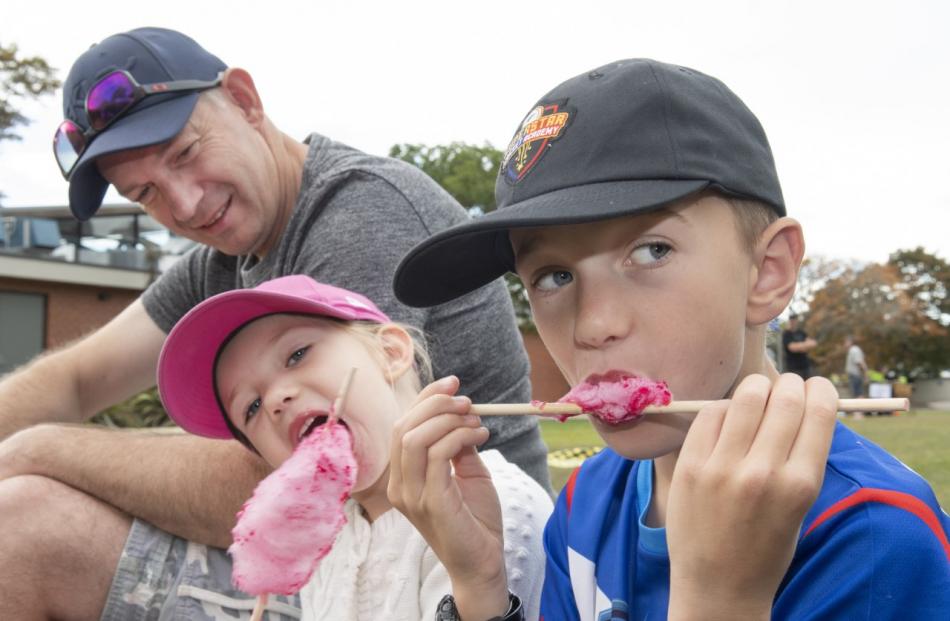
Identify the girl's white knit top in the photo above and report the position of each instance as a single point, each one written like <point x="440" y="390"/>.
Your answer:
<point x="386" y="570"/>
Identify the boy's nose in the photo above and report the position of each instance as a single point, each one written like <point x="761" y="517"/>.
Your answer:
<point x="601" y="317"/>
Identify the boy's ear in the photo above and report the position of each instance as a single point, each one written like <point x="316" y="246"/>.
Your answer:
<point x="238" y="85"/>
<point x="397" y="349"/>
<point x="777" y="258"/>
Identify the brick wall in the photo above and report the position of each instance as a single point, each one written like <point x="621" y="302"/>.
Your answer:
<point x="73" y="310"/>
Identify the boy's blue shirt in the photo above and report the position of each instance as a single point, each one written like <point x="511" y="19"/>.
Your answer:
<point x="873" y="546"/>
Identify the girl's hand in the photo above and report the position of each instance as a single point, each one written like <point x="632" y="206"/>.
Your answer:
<point x="748" y="472"/>
<point x="458" y="513"/>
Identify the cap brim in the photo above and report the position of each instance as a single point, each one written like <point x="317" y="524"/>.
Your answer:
<point x="186" y="364"/>
<point x="465" y="257"/>
<point x="152" y="125"/>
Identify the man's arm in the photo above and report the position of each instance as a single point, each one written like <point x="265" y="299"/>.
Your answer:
<point x="187" y="485"/>
<point x="176" y="482"/>
<point x="802" y="347"/>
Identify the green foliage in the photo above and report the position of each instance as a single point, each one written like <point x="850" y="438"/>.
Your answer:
<point x="467" y="172"/>
<point x="143" y="410"/>
<point x="21" y="78"/>
<point x="926" y="278"/>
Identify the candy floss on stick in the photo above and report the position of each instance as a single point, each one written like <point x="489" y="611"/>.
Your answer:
<point x="617" y="397"/>
<point x="295" y="514"/>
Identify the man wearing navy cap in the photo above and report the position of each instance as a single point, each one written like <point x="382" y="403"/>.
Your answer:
<point x="87" y="514"/>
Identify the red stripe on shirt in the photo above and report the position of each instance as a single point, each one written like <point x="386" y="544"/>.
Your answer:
<point x="569" y="488"/>
<point x="896" y="499"/>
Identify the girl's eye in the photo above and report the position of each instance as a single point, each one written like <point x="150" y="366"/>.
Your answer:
<point x="554" y="280"/>
<point x="252" y="409"/>
<point x="297" y="356"/>
<point x="650" y="253"/>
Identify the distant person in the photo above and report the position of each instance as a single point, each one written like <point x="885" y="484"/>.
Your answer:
<point x="855" y="367"/>
<point x="797" y="344"/>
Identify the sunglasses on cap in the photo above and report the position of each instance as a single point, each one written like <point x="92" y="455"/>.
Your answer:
<point x="107" y="101"/>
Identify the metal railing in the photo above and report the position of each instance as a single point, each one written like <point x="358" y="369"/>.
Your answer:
<point x="118" y="236"/>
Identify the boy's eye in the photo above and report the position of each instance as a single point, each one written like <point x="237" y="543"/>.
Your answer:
<point x="650" y="253"/>
<point x="554" y="280"/>
<point x="252" y="409"/>
<point x="297" y="356"/>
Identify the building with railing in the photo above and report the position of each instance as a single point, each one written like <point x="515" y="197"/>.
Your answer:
<point x="61" y="278"/>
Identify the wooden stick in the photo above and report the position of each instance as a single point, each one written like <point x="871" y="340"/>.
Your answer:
<point x="555" y="410"/>
<point x="259" y="607"/>
<point x="340" y="400"/>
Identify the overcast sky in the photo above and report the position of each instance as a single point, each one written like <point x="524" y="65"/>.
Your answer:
<point x="855" y="96"/>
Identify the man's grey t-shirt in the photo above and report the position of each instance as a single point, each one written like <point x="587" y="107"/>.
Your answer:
<point x="355" y="218"/>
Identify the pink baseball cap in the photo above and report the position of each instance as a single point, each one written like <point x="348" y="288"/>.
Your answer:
<point x="186" y="364"/>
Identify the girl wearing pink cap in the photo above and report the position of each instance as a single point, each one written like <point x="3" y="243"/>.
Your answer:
<point x="264" y="366"/>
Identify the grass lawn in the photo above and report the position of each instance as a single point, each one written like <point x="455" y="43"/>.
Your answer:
<point x="920" y="439"/>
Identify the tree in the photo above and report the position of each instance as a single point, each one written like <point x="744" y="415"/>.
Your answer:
<point x="926" y="278"/>
<point x="465" y="171"/>
<point x="880" y="310"/>
<point x="21" y="78"/>
<point x="468" y="173"/>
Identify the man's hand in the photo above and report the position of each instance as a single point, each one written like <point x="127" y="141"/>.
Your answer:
<point x="458" y="513"/>
<point x="748" y="471"/>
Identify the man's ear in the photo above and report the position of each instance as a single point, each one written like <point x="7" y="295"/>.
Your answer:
<point x="777" y="258"/>
<point x="238" y="85"/>
<point x="398" y="350"/>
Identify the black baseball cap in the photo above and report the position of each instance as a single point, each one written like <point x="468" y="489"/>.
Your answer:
<point x="151" y="55"/>
<point x="622" y="139"/>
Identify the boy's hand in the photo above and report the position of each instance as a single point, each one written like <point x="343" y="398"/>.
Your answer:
<point x="458" y="513"/>
<point x="748" y="471"/>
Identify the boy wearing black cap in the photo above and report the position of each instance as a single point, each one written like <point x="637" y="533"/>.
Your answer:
<point x="640" y="206"/>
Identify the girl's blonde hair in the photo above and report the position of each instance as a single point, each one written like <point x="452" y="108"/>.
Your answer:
<point x="368" y="332"/>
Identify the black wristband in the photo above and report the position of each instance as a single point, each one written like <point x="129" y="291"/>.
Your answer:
<point x="447" y="611"/>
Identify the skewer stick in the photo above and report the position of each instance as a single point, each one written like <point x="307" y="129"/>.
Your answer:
<point x="340" y="400"/>
<point x="555" y="410"/>
<point x="259" y="607"/>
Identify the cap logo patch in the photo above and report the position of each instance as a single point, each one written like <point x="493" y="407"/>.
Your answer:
<point x="544" y="124"/>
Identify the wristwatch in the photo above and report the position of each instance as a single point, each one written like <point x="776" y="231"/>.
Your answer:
<point x="448" y="612"/>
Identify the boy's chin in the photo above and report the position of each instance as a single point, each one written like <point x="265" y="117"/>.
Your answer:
<point x="640" y="439"/>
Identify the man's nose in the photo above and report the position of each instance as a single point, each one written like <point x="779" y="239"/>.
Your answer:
<point x="602" y="317"/>
<point x="183" y="198"/>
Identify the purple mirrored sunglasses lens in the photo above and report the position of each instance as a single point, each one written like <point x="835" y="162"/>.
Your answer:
<point x="68" y="143"/>
<point x="109" y="98"/>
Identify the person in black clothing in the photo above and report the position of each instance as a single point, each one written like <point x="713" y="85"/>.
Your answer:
<point x="797" y="344"/>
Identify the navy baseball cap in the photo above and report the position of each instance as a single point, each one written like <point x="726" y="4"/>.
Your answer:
<point x="150" y="55"/>
<point x="625" y="138"/>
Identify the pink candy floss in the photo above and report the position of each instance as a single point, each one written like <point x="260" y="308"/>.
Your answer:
<point x="617" y="397"/>
<point x="295" y="514"/>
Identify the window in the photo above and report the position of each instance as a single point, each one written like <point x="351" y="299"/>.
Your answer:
<point x="22" y="325"/>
